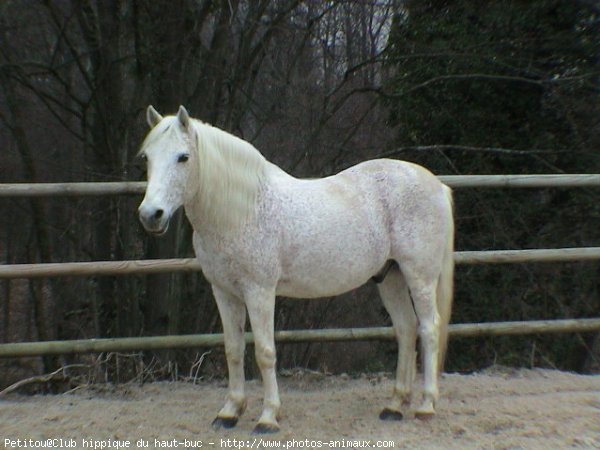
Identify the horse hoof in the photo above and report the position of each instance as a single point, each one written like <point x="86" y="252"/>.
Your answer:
<point x="424" y="416"/>
<point x="224" y="422"/>
<point x="265" y="428"/>
<point x="390" y="414"/>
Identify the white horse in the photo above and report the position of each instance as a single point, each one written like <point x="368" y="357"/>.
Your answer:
<point x="259" y="233"/>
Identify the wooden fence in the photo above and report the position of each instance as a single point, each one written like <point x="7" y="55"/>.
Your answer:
<point x="454" y="181"/>
<point x="112" y="268"/>
<point x="21" y="349"/>
<point x="150" y="266"/>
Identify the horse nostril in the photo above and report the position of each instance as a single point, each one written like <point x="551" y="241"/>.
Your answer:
<point x="158" y="214"/>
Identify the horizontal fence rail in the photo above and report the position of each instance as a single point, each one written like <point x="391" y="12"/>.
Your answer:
<point x="521" y="181"/>
<point x="99" y="268"/>
<point x="72" y="189"/>
<point x="454" y="181"/>
<point x="24" y="349"/>
<point x="527" y="256"/>
<point x="150" y="266"/>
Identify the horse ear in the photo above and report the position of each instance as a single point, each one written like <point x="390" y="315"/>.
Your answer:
<point x="152" y="116"/>
<point x="183" y="117"/>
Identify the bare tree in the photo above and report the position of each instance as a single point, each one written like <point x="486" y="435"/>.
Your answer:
<point x="299" y="79"/>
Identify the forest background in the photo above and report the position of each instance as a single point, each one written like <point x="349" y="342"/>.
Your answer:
<point x="462" y="87"/>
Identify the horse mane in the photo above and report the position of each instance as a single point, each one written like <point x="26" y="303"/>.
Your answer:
<point x="230" y="174"/>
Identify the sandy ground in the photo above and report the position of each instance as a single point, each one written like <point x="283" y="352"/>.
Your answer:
<point x="498" y="409"/>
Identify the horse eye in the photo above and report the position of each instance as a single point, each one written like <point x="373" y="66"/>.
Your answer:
<point x="183" y="158"/>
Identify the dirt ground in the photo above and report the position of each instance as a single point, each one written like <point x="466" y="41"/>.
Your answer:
<point x="495" y="409"/>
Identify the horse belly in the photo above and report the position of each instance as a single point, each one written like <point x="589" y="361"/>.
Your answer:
<point x="323" y="269"/>
<point x="313" y="285"/>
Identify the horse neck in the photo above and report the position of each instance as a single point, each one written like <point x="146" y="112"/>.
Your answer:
<point x="230" y="179"/>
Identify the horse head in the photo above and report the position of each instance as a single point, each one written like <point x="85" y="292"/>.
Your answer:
<point x="168" y="151"/>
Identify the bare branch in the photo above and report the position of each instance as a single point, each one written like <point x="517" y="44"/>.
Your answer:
<point x="443" y="147"/>
<point x="492" y="77"/>
<point x="58" y="373"/>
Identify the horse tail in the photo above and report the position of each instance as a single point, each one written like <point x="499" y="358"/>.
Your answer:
<point x="445" y="285"/>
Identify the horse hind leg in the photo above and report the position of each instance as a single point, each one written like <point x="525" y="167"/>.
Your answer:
<point x="424" y="300"/>
<point x="396" y="299"/>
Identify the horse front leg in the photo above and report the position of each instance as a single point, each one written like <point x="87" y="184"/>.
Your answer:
<point x="260" y="303"/>
<point x="233" y="317"/>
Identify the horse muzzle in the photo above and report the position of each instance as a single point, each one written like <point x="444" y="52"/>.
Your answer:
<point x="154" y="220"/>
